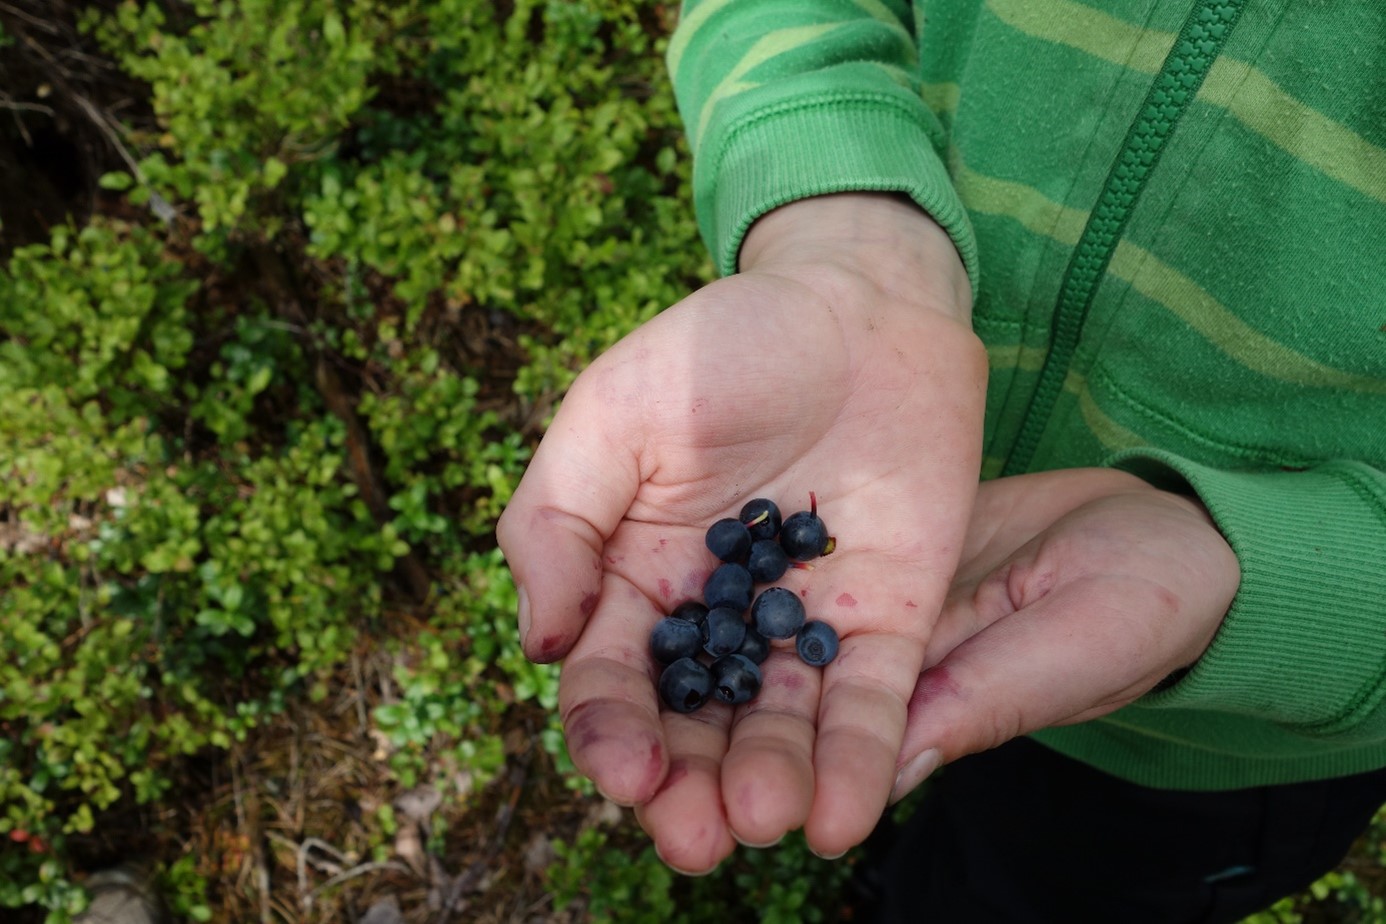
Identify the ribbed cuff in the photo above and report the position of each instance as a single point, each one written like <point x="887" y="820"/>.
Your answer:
<point x="816" y="145"/>
<point x="1304" y="643"/>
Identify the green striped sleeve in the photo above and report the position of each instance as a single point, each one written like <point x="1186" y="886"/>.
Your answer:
<point x="787" y="100"/>
<point x="1304" y="643"/>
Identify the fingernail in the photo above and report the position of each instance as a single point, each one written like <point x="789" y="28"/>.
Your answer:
<point x="623" y="803"/>
<point x="522" y="613"/>
<point x="915" y="772"/>
<point x="826" y="856"/>
<point x="745" y="843"/>
<point x="693" y="874"/>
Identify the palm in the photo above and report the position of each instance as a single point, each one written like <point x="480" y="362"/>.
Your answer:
<point x="755" y="386"/>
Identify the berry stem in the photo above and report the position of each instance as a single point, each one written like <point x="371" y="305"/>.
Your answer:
<point x="813" y="503"/>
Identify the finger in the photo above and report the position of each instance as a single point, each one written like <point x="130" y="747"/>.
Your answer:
<point x="607" y="698"/>
<point x="1010" y="511"/>
<point x="1080" y="651"/>
<point x="861" y="721"/>
<point x="767" y="777"/>
<point x="685" y="818"/>
<point x="973" y="604"/>
<point x="574" y="492"/>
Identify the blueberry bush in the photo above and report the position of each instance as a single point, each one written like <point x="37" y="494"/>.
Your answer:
<point x="288" y="291"/>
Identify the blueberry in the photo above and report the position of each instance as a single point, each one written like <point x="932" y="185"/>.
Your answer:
<point x="723" y="632"/>
<point x="761" y="517"/>
<point x="754" y="646"/>
<point x="735" y="679"/>
<point x="777" y="613"/>
<point x="728" y="539"/>
<point x="804" y="535"/>
<point x="675" y="638"/>
<point x="767" y="562"/>
<point x="729" y="585"/>
<point x="691" y="610"/>
<point x="817" y="643"/>
<point x="685" y="685"/>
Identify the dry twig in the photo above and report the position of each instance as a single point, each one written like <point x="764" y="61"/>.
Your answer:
<point x="361" y="870"/>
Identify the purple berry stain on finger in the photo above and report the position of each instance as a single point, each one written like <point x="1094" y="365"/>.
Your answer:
<point x="589" y="728"/>
<point x="548" y="647"/>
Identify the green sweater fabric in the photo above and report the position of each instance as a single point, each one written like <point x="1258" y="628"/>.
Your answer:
<point x="1174" y="216"/>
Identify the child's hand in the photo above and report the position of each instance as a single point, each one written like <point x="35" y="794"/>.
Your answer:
<point x="1079" y="591"/>
<point x="809" y="371"/>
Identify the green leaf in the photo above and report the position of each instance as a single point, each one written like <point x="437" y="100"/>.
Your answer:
<point x="332" y="31"/>
<point x="231" y="597"/>
<point x="118" y="180"/>
<point x="273" y="171"/>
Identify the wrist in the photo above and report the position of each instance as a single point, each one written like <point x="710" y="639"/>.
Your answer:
<point x="881" y="239"/>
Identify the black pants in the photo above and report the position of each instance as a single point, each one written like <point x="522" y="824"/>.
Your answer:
<point x="1023" y="834"/>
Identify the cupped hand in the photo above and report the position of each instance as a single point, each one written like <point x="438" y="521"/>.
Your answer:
<point x="839" y="362"/>
<point x="1079" y="591"/>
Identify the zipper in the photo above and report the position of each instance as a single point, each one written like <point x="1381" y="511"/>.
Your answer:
<point x="1197" y="46"/>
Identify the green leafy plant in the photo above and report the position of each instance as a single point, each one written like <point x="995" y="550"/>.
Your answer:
<point x="247" y="429"/>
<point x="611" y="885"/>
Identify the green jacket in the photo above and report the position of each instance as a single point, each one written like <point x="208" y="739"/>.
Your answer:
<point x="1174" y="215"/>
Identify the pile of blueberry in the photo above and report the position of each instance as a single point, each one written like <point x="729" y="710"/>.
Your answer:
<point x="708" y="648"/>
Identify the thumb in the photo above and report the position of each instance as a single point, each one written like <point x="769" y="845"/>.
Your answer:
<point x="1078" y="652"/>
<point x="574" y="492"/>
